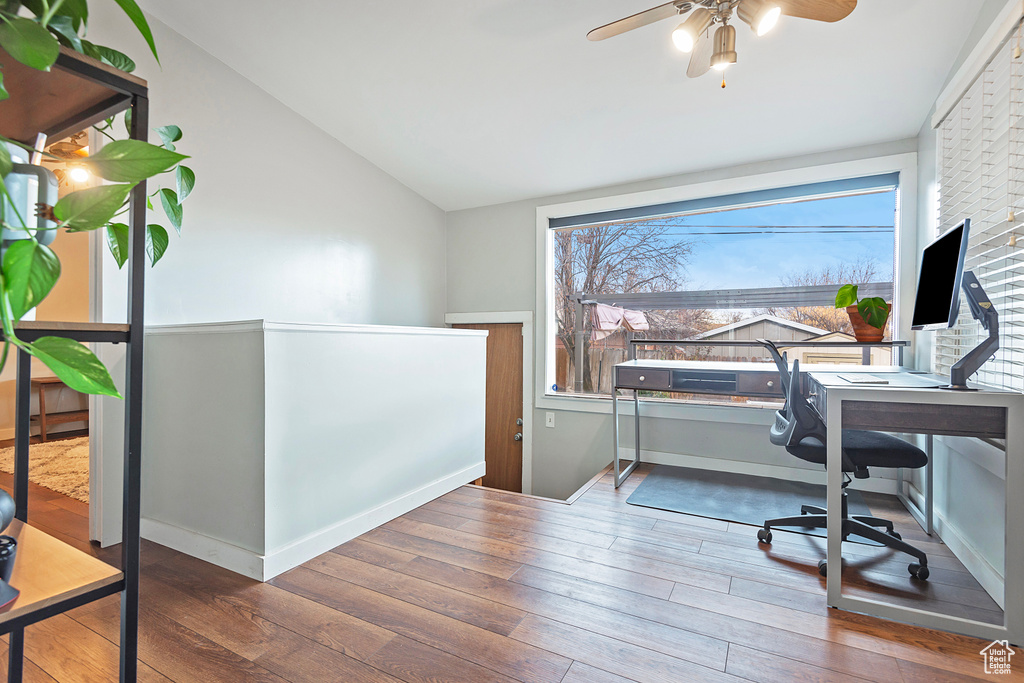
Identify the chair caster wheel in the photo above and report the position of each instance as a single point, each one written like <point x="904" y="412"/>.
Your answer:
<point x="764" y="535"/>
<point x="823" y="567"/>
<point x="895" y="534"/>
<point x="918" y="571"/>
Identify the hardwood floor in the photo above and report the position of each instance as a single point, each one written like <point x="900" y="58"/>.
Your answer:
<point x="483" y="585"/>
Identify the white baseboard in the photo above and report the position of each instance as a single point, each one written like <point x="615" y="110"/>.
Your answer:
<point x="987" y="575"/>
<point x="297" y="552"/>
<point x="265" y="567"/>
<point x="812" y="476"/>
<point x="990" y="578"/>
<point x="215" y="551"/>
<point x="7" y="433"/>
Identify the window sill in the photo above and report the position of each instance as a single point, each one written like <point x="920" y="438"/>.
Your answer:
<point x="663" y="409"/>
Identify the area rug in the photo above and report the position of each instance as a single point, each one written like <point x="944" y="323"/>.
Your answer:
<point x="733" y="497"/>
<point x="61" y="466"/>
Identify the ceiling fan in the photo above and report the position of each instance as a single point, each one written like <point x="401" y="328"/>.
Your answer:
<point x="693" y="35"/>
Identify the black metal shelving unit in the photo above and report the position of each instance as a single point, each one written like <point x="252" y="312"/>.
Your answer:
<point x="76" y="93"/>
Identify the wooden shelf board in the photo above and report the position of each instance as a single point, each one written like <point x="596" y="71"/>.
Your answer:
<point x="61" y="418"/>
<point x="48" y="571"/>
<point x="43" y="101"/>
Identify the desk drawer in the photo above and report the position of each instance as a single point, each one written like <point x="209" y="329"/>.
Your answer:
<point x="758" y="384"/>
<point x="704" y="381"/>
<point x="643" y="378"/>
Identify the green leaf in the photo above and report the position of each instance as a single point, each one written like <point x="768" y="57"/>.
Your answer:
<point x="139" y="19"/>
<point x="65" y="30"/>
<point x="117" y="242"/>
<point x="171" y="207"/>
<point x="169" y="134"/>
<point x="156" y="242"/>
<point x="846" y="296"/>
<point x="186" y="181"/>
<point x="6" y="165"/>
<point x="34" y="6"/>
<point x="91" y="50"/>
<point x="118" y="60"/>
<point x="130" y="161"/>
<point x="78" y="10"/>
<point x="74" y="364"/>
<point x="3" y="91"/>
<point x="28" y="42"/>
<point x="30" y="271"/>
<point x="875" y="311"/>
<point x="92" y="207"/>
<point x="128" y="120"/>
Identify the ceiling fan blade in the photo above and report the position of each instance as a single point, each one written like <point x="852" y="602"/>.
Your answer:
<point x="819" y="10"/>
<point x="637" y="20"/>
<point x="700" y="60"/>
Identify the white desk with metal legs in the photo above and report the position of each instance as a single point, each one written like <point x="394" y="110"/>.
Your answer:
<point x="912" y="404"/>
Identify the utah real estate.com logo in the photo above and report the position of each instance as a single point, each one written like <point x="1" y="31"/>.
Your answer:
<point x="997" y="657"/>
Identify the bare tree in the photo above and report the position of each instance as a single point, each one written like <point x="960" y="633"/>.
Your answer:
<point x="828" y="318"/>
<point x="631" y="256"/>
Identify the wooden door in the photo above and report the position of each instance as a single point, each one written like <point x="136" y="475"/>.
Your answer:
<point x="503" y="452"/>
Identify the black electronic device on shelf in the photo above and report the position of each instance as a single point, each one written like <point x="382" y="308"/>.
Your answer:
<point x="938" y="300"/>
<point x="8" y="550"/>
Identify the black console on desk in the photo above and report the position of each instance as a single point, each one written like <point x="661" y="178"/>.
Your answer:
<point x="710" y="380"/>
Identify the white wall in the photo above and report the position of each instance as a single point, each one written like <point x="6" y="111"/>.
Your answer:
<point x="491" y="259"/>
<point x="268" y="444"/>
<point x="285" y="222"/>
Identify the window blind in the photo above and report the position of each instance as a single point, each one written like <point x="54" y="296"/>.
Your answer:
<point x="981" y="177"/>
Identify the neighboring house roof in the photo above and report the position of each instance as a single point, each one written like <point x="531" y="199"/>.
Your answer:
<point x="829" y="336"/>
<point x="746" y="322"/>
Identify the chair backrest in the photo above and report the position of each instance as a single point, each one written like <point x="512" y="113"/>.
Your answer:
<point x="797" y="420"/>
<point x="781" y="362"/>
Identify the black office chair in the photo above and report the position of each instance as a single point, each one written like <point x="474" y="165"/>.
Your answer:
<point x="800" y="429"/>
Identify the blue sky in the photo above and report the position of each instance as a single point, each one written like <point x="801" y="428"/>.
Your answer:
<point x="781" y="242"/>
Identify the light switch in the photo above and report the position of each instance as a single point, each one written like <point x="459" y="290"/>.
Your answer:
<point x="549" y="420"/>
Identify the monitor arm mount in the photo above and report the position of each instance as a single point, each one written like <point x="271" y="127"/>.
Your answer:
<point x="983" y="311"/>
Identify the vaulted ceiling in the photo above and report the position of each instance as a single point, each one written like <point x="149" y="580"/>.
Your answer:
<point x="476" y="102"/>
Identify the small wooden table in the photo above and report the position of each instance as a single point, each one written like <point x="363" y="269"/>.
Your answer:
<point x="42" y="419"/>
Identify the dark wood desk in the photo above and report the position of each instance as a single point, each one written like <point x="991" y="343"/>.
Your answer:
<point x="750" y="379"/>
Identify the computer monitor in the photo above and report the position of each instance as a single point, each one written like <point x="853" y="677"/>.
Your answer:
<point x="938" y="287"/>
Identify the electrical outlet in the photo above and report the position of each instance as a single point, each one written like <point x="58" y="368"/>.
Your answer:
<point x="549" y="420"/>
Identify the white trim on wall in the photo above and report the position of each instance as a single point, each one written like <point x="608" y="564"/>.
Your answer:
<point x="265" y="567"/>
<point x="808" y="475"/>
<point x="526" y="318"/>
<point x="906" y="251"/>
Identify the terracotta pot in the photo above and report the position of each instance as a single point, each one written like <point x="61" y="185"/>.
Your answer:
<point x="862" y="330"/>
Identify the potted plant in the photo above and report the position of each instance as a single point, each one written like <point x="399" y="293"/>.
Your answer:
<point x="32" y="32"/>
<point x="868" y="316"/>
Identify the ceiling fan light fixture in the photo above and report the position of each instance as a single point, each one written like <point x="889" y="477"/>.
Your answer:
<point x="760" y="15"/>
<point x="725" y="47"/>
<point x="685" y="35"/>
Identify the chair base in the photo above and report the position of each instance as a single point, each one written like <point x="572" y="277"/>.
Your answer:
<point x="862" y="526"/>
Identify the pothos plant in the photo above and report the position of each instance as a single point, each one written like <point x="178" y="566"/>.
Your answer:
<point x="29" y="269"/>
<point x="873" y="309"/>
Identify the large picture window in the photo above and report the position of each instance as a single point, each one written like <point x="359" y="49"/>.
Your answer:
<point x="762" y="264"/>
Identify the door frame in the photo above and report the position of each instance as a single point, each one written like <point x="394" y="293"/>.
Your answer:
<point x="526" y="319"/>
